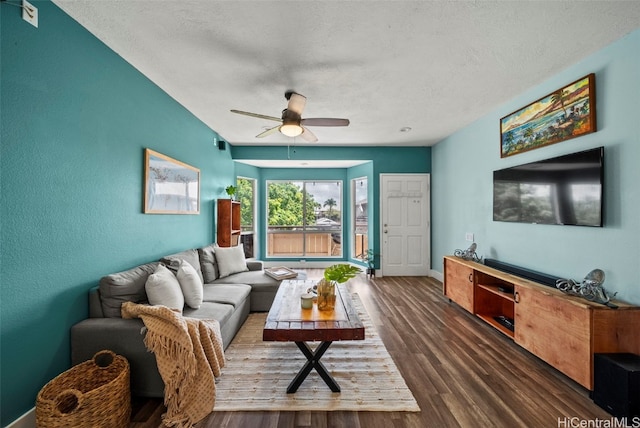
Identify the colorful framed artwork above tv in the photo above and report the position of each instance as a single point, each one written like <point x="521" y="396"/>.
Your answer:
<point x="170" y="186"/>
<point x="566" y="113"/>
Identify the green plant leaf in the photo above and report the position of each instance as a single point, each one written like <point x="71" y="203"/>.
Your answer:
<point x="341" y="272"/>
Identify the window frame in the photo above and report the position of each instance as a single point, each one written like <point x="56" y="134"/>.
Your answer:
<point x="306" y="228"/>
<point x="354" y="221"/>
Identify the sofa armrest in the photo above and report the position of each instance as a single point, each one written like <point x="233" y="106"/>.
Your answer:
<point x="124" y="337"/>
<point x="255" y="265"/>
<point x="95" y="304"/>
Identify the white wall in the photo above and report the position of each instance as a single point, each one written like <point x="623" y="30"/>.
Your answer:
<point x="462" y="174"/>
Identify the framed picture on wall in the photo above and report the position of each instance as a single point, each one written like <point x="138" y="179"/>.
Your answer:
<point x="170" y="186"/>
<point x="566" y="113"/>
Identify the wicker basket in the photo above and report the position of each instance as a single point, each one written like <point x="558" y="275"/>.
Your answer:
<point x="92" y="394"/>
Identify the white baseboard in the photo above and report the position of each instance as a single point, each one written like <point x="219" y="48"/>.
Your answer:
<point x="437" y="275"/>
<point x="28" y="420"/>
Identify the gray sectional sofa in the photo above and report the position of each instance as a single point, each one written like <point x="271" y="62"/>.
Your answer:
<point x="228" y="300"/>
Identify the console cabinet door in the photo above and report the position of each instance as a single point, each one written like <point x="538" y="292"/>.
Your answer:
<point x="555" y="330"/>
<point x="458" y="284"/>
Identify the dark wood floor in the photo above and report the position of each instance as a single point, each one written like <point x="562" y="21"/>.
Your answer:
<point x="462" y="372"/>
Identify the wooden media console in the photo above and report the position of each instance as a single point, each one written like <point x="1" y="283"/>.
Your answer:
<point x="562" y="330"/>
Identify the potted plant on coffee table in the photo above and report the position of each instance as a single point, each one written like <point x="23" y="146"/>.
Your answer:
<point x="335" y="274"/>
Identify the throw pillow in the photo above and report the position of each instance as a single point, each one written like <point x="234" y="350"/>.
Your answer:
<point x="208" y="264"/>
<point x="173" y="261"/>
<point x="163" y="288"/>
<point x="230" y="260"/>
<point x="190" y="284"/>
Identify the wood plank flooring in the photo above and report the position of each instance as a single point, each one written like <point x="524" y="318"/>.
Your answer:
<point x="462" y="372"/>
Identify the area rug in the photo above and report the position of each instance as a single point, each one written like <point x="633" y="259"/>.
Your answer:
<point x="257" y="373"/>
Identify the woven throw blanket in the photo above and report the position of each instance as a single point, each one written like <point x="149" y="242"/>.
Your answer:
<point x="189" y="354"/>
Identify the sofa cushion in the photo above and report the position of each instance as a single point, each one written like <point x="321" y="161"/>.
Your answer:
<point x="210" y="310"/>
<point x="230" y="260"/>
<point x="233" y="294"/>
<point x="257" y="279"/>
<point x="190" y="284"/>
<point x="173" y="261"/>
<point x="255" y="265"/>
<point x="125" y="286"/>
<point x="208" y="263"/>
<point x="163" y="288"/>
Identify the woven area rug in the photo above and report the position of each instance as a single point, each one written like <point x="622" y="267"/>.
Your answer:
<point x="257" y="373"/>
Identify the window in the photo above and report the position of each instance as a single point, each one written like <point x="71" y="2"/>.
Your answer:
<point x="246" y="196"/>
<point x="360" y="218"/>
<point x="304" y="218"/>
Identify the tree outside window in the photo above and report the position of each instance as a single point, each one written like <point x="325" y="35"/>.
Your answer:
<point x="304" y="218"/>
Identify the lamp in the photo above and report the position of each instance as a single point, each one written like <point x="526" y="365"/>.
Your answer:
<point x="291" y="128"/>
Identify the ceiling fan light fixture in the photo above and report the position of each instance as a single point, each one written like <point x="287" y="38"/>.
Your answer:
<point x="291" y="129"/>
<point x="291" y="123"/>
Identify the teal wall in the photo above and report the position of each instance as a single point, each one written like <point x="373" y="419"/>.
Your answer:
<point x="75" y="121"/>
<point x="379" y="160"/>
<point x="462" y="182"/>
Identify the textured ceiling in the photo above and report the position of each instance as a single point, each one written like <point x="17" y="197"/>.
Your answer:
<point x="434" y="66"/>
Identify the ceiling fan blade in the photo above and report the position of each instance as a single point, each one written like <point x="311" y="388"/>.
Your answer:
<point x="297" y="103"/>
<point x="308" y="136"/>
<point x="324" y="121"/>
<point x="268" y="132"/>
<point x="259" y="116"/>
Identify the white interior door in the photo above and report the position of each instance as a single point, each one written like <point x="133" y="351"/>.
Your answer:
<point x="405" y="230"/>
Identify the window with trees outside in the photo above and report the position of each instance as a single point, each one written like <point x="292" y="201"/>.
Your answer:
<point x="246" y="196"/>
<point x="360" y="218"/>
<point x="304" y="218"/>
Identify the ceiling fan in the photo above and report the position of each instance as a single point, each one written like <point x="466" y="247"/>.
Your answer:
<point x="291" y="123"/>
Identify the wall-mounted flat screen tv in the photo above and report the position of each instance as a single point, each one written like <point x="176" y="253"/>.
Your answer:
<point x="565" y="190"/>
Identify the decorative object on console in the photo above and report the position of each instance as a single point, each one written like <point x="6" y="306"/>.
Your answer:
<point x="566" y="113"/>
<point x="468" y="254"/>
<point x="590" y="288"/>
<point x="170" y="186"/>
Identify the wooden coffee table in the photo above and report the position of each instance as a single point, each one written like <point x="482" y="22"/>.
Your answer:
<point x="288" y="322"/>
